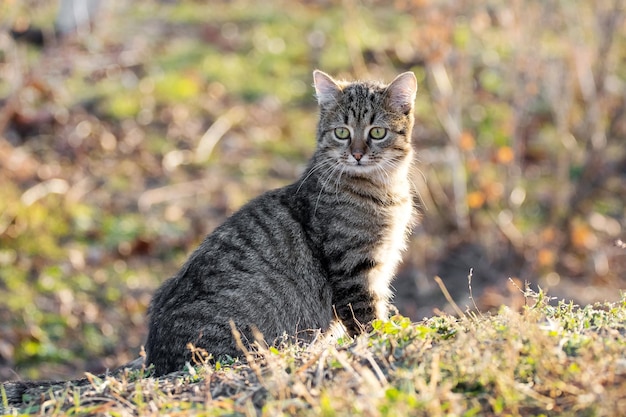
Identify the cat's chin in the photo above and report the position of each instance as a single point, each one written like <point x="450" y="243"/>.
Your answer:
<point x="367" y="169"/>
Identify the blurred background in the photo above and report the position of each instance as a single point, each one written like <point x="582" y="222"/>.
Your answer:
<point x="129" y="130"/>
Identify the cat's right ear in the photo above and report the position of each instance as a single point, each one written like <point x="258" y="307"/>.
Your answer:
<point x="326" y="89"/>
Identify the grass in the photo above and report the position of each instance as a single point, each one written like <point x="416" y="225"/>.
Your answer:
<point x="549" y="359"/>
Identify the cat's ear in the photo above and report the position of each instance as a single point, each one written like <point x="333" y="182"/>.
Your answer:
<point x="326" y="89"/>
<point x="401" y="92"/>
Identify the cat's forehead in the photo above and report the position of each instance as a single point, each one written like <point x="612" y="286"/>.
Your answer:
<point x="361" y="96"/>
<point x="363" y="89"/>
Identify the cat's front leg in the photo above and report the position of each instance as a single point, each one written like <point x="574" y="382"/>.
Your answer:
<point x="356" y="307"/>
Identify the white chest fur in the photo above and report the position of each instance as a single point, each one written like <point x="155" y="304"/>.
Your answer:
<point x="388" y="254"/>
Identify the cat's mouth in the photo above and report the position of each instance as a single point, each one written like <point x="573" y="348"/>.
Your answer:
<point x="364" y="166"/>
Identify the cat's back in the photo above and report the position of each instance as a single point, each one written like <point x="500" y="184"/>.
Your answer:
<point x="263" y="240"/>
<point x="267" y="236"/>
<point x="257" y="269"/>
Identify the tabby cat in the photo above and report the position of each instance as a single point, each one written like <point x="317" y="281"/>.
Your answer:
<point x="304" y="256"/>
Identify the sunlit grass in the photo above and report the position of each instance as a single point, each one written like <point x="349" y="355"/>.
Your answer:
<point x="550" y="359"/>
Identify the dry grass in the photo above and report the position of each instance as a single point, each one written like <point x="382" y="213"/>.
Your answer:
<point x="546" y="360"/>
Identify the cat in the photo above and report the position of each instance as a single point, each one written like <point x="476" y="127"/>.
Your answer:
<point x="320" y="251"/>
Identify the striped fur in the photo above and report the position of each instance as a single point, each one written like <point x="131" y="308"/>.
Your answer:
<point x="296" y="258"/>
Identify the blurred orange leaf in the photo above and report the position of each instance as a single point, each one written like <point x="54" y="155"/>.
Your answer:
<point x="582" y="236"/>
<point x="466" y="141"/>
<point x="505" y="155"/>
<point x="546" y="257"/>
<point x="475" y="199"/>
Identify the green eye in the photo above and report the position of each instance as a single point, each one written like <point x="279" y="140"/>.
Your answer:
<point x="378" y="132"/>
<point x="342" y="133"/>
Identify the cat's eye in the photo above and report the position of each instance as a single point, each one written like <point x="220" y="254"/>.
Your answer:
<point x="378" y="132"/>
<point x="342" y="133"/>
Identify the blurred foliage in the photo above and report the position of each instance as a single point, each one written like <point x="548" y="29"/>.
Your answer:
<point x="124" y="143"/>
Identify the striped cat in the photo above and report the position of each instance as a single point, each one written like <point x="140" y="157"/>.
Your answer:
<point x="300" y="258"/>
<point x="304" y="256"/>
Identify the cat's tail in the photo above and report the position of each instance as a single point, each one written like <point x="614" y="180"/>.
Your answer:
<point x="12" y="394"/>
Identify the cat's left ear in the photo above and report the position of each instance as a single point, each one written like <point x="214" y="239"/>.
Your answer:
<point x="326" y="89"/>
<point x="401" y="92"/>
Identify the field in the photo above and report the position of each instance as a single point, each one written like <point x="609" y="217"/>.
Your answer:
<point x="123" y="144"/>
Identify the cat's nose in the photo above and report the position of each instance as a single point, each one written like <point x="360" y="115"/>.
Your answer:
<point x="357" y="155"/>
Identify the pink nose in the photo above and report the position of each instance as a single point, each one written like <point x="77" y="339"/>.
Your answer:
<point x="357" y="155"/>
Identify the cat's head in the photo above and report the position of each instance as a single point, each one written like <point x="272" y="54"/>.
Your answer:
<point x="365" y="127"/>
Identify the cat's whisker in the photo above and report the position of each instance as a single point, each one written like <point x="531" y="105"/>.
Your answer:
<point x="416" y="190"/>
<point x="379" y="171"/>
<point x="421" y="173"/>
<point x="394" y="164"/>
<point x="326" y="179"/>
<point x="316" y="167"/>
<point x="329" y="176"/>
<point x="384" y="171"/>
<point x="384" y="176"/>
<point x="338" y="182"/>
